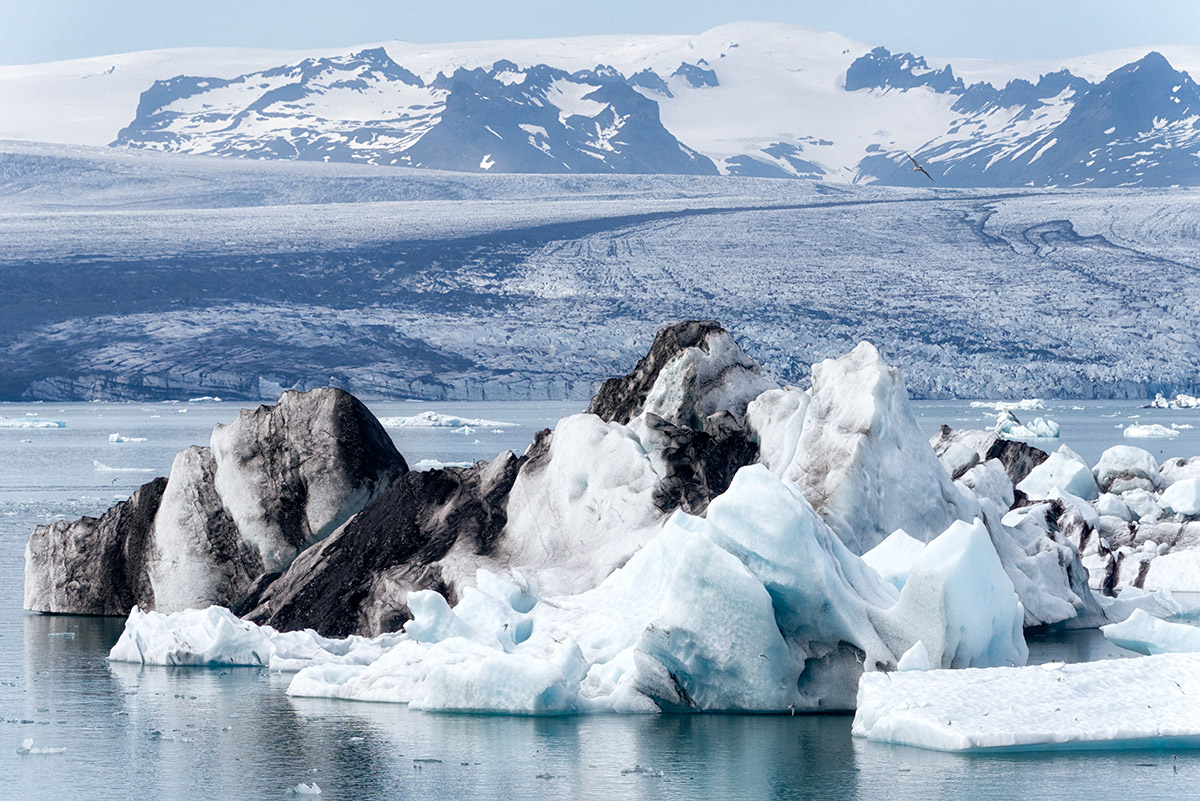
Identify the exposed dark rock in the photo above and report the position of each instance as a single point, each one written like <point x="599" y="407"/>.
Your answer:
<point x="355" y="581"/>
<point x="94" y="566"/>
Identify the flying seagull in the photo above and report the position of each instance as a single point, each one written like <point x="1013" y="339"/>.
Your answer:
<point x="918" y="168"/>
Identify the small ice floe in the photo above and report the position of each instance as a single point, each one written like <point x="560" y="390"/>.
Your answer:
<point x="31" y="422"/>
<point x="431" y="419"/>
<point x="642" y="771"/>
<point x="1180" y="401"/>
<point x="27" y="747"/>
<point x="434" y="464"/>
<point x="205" y="399"/>
<point x="1008" y="406"/>
<point x="306" y="789"/>
<point x="100" y="467"/>
<point x="1181" y="426"/>
<point x="1009" y="427"/>
<point x="464" y="430"/>
<point x="1150" y="431"/>
<point x="119" y="438"/>
<point x="62" y="635"/>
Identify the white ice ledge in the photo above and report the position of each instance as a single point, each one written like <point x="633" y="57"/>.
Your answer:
<point x="1151" y="701"/>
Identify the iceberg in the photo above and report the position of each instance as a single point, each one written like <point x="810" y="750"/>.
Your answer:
<point x="894" y="557"/>
<point x="1146" y="634"/>
<point x="1182" y="498"/>
<point x="30" y="422"/>
<point x="215" y="636"/>
<point x="1150" y="431"/>
<point x="432" y="419"/>
<point x="1025" y="405"/>
<point x="1151" y="701"/>
<point x="100" y="467"/>
<point x="1009" y="427"/>
<point x="120" y="438"/>
<point x="1180" y="401"/>
<point x="1065" y="470"/>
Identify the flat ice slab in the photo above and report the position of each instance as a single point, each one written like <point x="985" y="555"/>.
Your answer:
<point x="1151" y="701"/>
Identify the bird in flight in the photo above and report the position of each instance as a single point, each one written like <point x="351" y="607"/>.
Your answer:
<point x="918" y="168"/>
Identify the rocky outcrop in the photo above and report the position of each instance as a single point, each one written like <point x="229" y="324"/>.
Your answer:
<point x="94" y="566"/>
<point x="357" y="580"/>
<point x="273" y="482"/>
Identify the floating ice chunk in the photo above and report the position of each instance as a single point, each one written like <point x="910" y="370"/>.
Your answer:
<point x="1150" y="431"/>
<point x="100" y="467"/>
<point x="915" y="658"/>
<point x="1146" y="634"/>
<point x="119" y="438"/>
<point x="893" y="558"/>
<point x="1064" y="469"/>
<point x="1180" y="401"/>
<point x="205" y="399"/>
<point x="1009" y="427"/>
<point x="64" y="635"/>
<point x="213" y="636"/>
<point x="306" y="789"/>
<point x="1002" y="406"/>
<point x="1118" y="703"/>
<point x="27" y="747"/>
<point x="1182" y="498"/>
<point x="432" y="419"/>
<point x="32" y="422"/>
<point x="434" y="464"/>
<point x="1124" y="467"/>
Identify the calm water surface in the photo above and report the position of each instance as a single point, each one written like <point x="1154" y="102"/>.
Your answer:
<point x="178" y="733"/>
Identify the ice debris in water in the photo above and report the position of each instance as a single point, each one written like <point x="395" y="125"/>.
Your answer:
<point x="27" y="747"/>
<point x="119" y="438"/>
<point x="1180" y="401"/>
<point x="306" y="789"/>
<point x="431" y="419"/>
<point x="34" y="422"/>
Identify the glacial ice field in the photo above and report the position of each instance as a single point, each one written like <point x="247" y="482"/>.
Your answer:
<point x="147" y="276"/>
<point x="233" y="733"/>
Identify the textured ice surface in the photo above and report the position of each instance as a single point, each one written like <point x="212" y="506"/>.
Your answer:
<point x="1147" y="634"/>
<point x="215" y="636"/>
<point x="1182" y="498"/>
<point x="1065" y="470"/>
<point x="1009" y="427"/>
<point x="893" y="558"/>
<point x="1118" y="703"/>
<point x="1151" y="431"/>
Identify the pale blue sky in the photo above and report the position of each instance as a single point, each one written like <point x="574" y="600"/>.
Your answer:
<point x="44" y="30"/>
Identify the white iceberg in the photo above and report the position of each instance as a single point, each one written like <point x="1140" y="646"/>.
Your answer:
<point x="894" y="557"/>
<point x="100" y="467"/>
<point x="432" y="419"/>
<point x="120" y="438"/>
<point x="215" y="636"/>
<point x="1117" y="703"/>
<point x="1009" y="427"/>
<point x="1146" y="634"/>
<point x="306" y="789"/>
<point x="1150" y="431"/>
<point x="31" y="422"/>
<point x="1180" y="401"/>
<point x="1124" y="467"/>
<point x="1010" y="406"/>
<point x="436" y="464"/>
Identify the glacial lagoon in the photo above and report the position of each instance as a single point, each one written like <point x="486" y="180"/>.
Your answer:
<point x="232" y="733"/>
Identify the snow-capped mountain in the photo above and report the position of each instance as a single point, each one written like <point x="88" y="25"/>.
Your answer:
<point x="366" y="107"/>
<point x="752" y="99"/>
